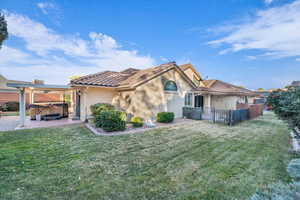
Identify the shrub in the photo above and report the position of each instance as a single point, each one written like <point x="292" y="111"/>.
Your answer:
<point x="286" y="105"/>
<point x="96" y="109"/>
<point x="10" y="106"/>
<point x="137" y="121"/>
<point x="165" y="117"/>
<point x="111" y="120"/>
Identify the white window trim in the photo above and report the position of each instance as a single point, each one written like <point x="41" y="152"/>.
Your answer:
<point x="192" y="100"/>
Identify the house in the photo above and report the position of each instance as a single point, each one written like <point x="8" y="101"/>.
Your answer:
<point x="144" y="93"/>
<point x="230" y="96"/>
<point x="295" y="84"/>
<point x="10" y="94"/>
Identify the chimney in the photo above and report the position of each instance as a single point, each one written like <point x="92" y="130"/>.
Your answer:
<point x="38" y="82"/>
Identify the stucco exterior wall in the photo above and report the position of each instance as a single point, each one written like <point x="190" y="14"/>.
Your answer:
<point x="93" y="95"/>
<point x="150" y="98"/>
<point x="224" y="102"/>
<point x="251" y="100"/>
<point x="207" y="101"/>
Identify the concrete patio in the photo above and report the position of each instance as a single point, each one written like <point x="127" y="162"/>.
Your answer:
<point x="8" y="123"/>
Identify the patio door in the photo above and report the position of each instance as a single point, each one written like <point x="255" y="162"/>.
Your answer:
<point x="199" y="101"/>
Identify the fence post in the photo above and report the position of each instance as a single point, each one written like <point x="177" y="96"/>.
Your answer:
<point x="230" y="118"/>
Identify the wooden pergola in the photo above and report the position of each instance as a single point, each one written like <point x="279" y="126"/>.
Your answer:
<point x="22" y="87"/>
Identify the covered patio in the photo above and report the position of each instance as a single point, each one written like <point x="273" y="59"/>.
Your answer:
<point x="61" y="110"/>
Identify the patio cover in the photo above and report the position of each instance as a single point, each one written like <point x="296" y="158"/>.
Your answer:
<point x="22" y="86"/>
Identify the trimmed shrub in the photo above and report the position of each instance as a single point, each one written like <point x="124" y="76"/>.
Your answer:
<point x="96" y="109"/>
<point x="111" y="120"/>
<point x="165" y="117"/>
<point x="10" y="106"/>
<point x="137" y="121"/>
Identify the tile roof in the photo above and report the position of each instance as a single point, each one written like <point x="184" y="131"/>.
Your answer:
<point x="125" y="78"/>
<point x="130" y="78"/>
<point x="106" y="79"/>
<point x="146" y="74"/>
<point x="223" y="87"/>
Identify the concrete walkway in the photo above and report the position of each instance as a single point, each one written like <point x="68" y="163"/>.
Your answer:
<point x="8" y="123"/>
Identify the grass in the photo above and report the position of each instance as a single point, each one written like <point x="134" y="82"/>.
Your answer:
<point x="198" y="161"/>
<point x="12" y="113"/>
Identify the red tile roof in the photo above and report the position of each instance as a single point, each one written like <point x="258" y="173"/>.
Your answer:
<point x="221" y="86"/>
<point x="125" y="78"/>
<point x="106" y="79"/>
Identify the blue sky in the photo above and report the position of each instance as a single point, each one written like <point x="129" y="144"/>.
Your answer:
<point x="253" y="43"/>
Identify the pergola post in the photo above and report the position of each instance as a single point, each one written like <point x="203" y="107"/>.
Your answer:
<point x="22" y="109"/>
<point x="209" y="100"/>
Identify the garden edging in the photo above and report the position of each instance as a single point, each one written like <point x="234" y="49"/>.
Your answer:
<point x="137" y="130"/>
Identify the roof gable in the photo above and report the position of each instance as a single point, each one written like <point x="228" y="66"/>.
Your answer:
<point x="224" y="87"/>
<point x="187" y="66"/>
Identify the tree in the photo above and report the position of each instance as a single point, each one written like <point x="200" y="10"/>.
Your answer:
<point x="3" y="29"/>
<point x="286" y="105"/>
<point x="260" y="89"/>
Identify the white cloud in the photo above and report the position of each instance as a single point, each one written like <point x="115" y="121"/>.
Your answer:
<point x="46" y="6"/>
<point x="268" y="1"/>
<point x="251" y="57"/>
<point x="54" y="57"/>
<point x="41" y="39"/>
<point x="276" y="31"/>
<point x="11" y="54"/>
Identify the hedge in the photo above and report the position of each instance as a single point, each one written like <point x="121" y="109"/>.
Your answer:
<point x="96" y="109"/>
<point x="165" y="117"/>
<point x="111" y="120"/>
<point x="137" y="121"/>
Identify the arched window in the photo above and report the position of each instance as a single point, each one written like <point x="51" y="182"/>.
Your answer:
<point x="170" y="86"/>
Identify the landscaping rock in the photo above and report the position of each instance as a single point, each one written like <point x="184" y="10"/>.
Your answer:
<point x="294" y="168"/>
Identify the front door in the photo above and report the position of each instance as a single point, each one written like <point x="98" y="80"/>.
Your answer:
<point x="199" y="101"/>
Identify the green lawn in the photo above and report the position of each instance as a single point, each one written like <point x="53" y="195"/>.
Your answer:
<point x="199" y="161"/>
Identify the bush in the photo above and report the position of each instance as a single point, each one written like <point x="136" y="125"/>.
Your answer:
<point x="165" y="117"/>
<point x="286" y="105"/>
<point x="96" y="109"/>
<point x="137" y="121"/>
<point x="111" y="120"/>
<point x="10" y="106"/>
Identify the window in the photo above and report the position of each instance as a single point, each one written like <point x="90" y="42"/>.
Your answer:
<point x="188" y="99"/>
<point x="170" y="86"/>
